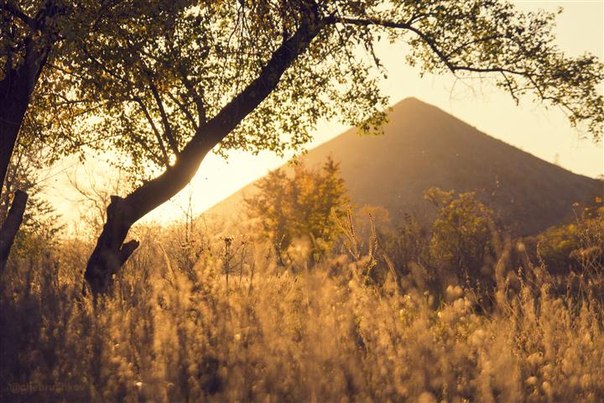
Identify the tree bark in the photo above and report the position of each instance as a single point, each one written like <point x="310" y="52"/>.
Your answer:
<point x="110" y="252"/>
<point x="14" y="99"/>
<point x="18" y="83"/>
<point x="15" y="92"/>
<point x="11" y="225"/>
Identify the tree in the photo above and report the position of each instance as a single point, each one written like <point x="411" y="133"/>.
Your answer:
<point x="37" y="40"/>
<point x="304" y="206"/>
<point x="578" y="246"/>
<point x="165" y="88"/>
<point x="22" y="56"/>
<point x="462" y="236"/>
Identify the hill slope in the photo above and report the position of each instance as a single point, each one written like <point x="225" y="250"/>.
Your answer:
<point x="423" y="146"/>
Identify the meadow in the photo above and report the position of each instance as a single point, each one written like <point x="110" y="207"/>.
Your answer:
<point x="195" y="317"/>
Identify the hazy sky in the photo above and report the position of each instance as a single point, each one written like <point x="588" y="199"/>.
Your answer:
<point x="530" y="127"/>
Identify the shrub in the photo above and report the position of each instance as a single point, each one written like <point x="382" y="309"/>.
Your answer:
<point x="461" y="242"/>
<point x="576" y="246"/>
<point x="300" y="212"/>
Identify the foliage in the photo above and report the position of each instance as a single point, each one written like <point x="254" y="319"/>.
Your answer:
<point x="300" y="208"/>
<point x="459" y="248"/>
<point x="408" y="246"/>
<point x="65" y="30"/>
<point x="462" y="233"/>
<point x="574" y="246"/>
<point x="178" y="63"/>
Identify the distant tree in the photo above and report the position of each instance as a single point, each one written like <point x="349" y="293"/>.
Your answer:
<point x="165" y="82"/>
<point x="406" y="245"/>
<point x="462" y="235"/>
<point x="304" y="206"/>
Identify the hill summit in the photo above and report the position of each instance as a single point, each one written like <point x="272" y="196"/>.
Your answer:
<point x="423" y="146"/>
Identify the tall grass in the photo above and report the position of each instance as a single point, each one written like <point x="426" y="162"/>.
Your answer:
<point x="190" y="322"/>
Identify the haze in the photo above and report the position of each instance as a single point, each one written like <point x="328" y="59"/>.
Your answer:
<point x="542" y="132"/>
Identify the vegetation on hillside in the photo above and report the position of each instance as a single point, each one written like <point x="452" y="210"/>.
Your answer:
<point x="455" y="312"/>
<point x="301" y="210"/>
<point x="423" y="146"/>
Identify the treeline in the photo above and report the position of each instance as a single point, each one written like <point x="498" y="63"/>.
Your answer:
<point x="307" y="212"/>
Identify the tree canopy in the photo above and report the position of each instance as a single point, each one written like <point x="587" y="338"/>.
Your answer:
<point x="462" y="233"/>
<point x="146" y="79"/>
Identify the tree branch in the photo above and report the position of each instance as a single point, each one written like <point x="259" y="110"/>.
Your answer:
<point x="160" y="142"/>
<point x="366" y="22"/>
<point x="11" y="225"/>
<point x="164" y="117"/>
<point x="259" y="89"/>
<point x="16" y="11"/>
<point x="183" y="108"/>
<point x="158" y="190"/>
<point x="201" y="110"/>
<point x="444" y="58"/>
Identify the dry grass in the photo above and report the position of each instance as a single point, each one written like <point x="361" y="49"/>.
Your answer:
<point x="174" y="331"/>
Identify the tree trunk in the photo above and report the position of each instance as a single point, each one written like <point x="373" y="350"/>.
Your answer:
<point x="110" y="252"/>
<point x="18" y="83"/>
<point x="15" y="91"/>
<point x="14" y="99"/>
<point x="16" y="88"/>
<point x="11" y="226"/>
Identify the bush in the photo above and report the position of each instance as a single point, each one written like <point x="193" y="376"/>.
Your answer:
<point x="574" y="247"/>
<point x="298" y="214"/>
<point x="461" y="243"/>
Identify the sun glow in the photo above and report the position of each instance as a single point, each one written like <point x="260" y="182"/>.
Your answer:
<point x="528" y="126"/>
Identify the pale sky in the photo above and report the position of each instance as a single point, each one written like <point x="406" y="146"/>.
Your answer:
<point x="542" y="132"/>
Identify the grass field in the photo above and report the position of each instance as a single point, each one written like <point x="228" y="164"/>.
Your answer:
<point x="193" y="321"/>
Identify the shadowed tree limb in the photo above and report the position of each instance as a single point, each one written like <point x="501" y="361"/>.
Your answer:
<point x="11" y="225"/>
